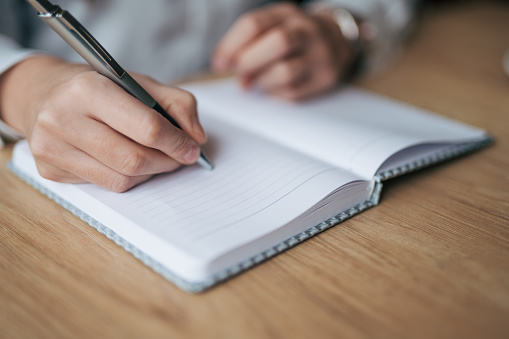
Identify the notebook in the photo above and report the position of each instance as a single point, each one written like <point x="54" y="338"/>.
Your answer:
<point x="283" y="173"/>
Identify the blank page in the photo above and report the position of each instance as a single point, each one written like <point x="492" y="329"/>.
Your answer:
<point x="189" y="218"/>
<point x="350" y="128"/>
<point x="255" y="188"/>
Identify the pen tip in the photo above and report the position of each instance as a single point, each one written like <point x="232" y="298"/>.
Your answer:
<point x="204" y="162"/>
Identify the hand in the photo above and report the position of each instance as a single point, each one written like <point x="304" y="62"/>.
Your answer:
<point x="82" y="127"/>
<point x="285" y="51"/>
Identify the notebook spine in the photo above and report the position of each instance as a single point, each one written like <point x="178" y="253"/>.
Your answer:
<point x="450" y="153"/>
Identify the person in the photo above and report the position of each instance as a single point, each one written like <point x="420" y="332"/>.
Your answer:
<point x="81" y="127"/>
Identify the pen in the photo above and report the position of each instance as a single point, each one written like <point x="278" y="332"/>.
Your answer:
<point x="88" y="47"/>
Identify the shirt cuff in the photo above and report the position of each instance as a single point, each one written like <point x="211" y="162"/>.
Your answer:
<point x="11" y="54"/>
<point x="8" y="134"/>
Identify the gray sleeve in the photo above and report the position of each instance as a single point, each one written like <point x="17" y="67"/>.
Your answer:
<point x="16" y="31"/>
<point x="14" y="39"/>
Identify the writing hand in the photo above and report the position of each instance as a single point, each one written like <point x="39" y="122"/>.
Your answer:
<point x="285" y="51"/>
<point x="82" y="127"/>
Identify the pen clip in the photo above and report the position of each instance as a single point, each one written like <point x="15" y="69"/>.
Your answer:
<point x="92" y="43"/>
<point x="48" y="10"/>
<point x="42" y="6"/>
<point x="73" y="25"/>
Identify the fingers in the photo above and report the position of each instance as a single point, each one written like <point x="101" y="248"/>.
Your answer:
<point x="56" y="161"/>
<point x="115" y="150"/>
<point x="287" y="73"/>
<point x="53" y="173"/>
<point x="276" y="44"/>
<point x="246" y="29"/>
<point x="298" y="76"/>
<point x="296" y="79"/>
<point x="318" y="82"/>
<point x="87" y="129"/>
<point x="110" y="160"/>
<point x="128" y="116"/>
<point x="285" y="52"/>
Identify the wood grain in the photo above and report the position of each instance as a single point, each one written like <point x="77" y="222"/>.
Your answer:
<point x="432" y="260"/>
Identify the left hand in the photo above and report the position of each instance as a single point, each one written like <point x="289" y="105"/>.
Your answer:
<point x="287" y="52"/>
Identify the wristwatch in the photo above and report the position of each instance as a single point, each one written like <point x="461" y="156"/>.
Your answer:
<point x="356" y="31"/>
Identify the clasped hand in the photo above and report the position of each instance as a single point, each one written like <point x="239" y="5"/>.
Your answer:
<point x="285" y="51"/>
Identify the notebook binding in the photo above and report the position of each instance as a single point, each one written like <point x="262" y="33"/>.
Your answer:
<point x="447" y="154"/>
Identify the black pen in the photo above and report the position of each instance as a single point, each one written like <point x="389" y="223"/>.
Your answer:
<point x="89" y="48"/>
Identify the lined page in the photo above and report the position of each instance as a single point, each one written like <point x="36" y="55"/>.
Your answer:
<point x="255" y="188"/>
<point x="349" y="128"/>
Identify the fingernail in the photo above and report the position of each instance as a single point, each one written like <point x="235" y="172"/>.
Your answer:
<point x="197" y="127"/>
<point x="192" y="155"/>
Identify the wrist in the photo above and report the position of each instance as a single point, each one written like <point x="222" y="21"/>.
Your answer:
<point x="346" y="32"/>
<point x="23" y="87"/>
<point x="342" y="51"/>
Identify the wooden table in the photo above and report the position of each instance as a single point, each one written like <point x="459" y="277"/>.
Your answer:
<point x="431" y="261"/>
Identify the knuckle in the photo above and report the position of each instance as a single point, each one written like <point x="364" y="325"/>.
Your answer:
<point x="71" y="92"/>
<point x="250" y="23"/>
<point x="120" y="183"/>
<point x="37" y="149"/>
<point x="153" y="130"/>
<point x="47" y="119"/>
<point x="41" y="149"/>
<point x="82" y="84"/>
<point x="47" y="173"/>
<point x="180" y="145"/>
<point x="187" y="101"/>
<point x="132" y="163"/>
<point x="283" y="38"/>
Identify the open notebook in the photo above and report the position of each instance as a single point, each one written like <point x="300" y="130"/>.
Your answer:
<point x="283" y="172"/>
